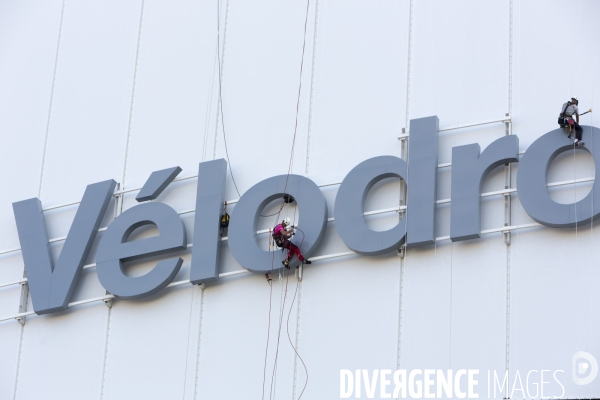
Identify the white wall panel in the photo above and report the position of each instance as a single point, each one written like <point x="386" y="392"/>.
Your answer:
<point x="92" y="97"/>
<point x="454" y="307"/>
<point x="426" y="306"/>
<point x="459" y="62"/>
<point x="234" y="338"/>
<point x="262" y="53"/>
<point x="62" y="354"/>
<point x="148" y="346"/>
<point x="140" y="83"/>
<point x="543" y="81"/>
<point x="554" y="297"/>
<point x="10" y="332"/>
<point x="349" y="320"/>
<point x="479" y="306"/>
<point x="359" y="94"/>
<point x="175" y="88"/>
<point x="88" y="123"/>
<point x="28" y="38"/>
<point x="553" y="277"/>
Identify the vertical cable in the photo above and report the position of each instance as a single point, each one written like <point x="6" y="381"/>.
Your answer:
<point x="25" y="287"/>
<point x="592" y="143"/>
<point x="408" y="63"/>
<point x="312" y="85"/>
<point x="451" y="262"/>
<point x="508" y="200"/>
<point x="403" y="188"/>
<point x="135" y="67"/>
<point x="62" y="13"/>
<point x="297" y="338"/>
<point x="220" y="109"/>
<point x="298" y="286"/>
<point x="576" y="35"/>
<point x="120" y="199"/>
<point x="199" y="352"/>
<point x="105" y="353"/>
<point x="221" y="61"/>
<point x="187" y="348"/>
<point x="209" y="106"/>
<point x="268" y="336"/>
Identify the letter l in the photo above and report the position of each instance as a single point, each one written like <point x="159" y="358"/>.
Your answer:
<point x="422" y="178"/>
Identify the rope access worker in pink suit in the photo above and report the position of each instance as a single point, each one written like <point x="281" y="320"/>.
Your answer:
<point x="281" y="236"/>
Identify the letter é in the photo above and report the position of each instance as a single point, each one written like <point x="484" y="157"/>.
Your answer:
<point x="51" y="286"/>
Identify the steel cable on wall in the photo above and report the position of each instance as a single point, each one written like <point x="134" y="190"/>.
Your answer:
<point x="221" y="93"/>
<point x="290" y="166"/>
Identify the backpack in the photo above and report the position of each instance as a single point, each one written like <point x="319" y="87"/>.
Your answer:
<point x="225" y="221"/>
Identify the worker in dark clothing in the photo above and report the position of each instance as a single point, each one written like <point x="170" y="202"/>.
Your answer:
<point x="566" y="118"/>
<point x="281" y="235"/>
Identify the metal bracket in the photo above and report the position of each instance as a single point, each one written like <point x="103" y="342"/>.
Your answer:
<point x="108" y="303"/>
<point x="402" y="251"/>
<point x="507" y="238"/>
<point x="300" y="269"/>
<point x="23" y="301"/>
<point x="202" y="286"/>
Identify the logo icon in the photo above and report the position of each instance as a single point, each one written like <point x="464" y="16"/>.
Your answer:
<point x="584" y="368"/>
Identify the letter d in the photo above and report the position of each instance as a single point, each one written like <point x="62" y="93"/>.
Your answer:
<point x="346" y="389"/>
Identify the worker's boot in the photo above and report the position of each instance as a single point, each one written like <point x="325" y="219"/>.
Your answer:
<point x="286" y="263"/>
<point x="307" y="262"/>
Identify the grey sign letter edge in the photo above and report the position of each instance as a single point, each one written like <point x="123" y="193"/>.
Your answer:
<point x="242" y="228"/>
<point x="207" y="231"/>
<point x="349" y="207"/>
<point x="422" y="175"/>
<point x="51" y="286"/>
<point x="114" y="250"/>
<point x="533" y="175"/>
<point x="469" y="170"/>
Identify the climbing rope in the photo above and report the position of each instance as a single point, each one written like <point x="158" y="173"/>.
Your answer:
<point x="221" y="93"/>
<point x="290" y="166"/>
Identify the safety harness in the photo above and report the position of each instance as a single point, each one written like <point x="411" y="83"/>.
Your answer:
<point x="278" y="239"/>
<point x="563" y="114"/>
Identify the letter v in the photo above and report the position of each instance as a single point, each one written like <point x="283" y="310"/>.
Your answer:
<point x="51" y="287"/>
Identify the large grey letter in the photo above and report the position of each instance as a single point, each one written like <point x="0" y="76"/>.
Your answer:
<point x="207" y="231"/>
<point x="469" y="170"/>
<point x="51" y="287"/>
<point x="114" y="249"/>
<point x="350" y="201"/>
<point x="422" y="173"/>
<point x="242" y="228"/>
<point x="532" y="181"/>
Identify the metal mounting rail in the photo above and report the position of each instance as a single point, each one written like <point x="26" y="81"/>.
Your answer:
<point x="443" y="201"/>
<point x="123" y="191"/>
<point x="502" y="120"/>
<point x="394" y="209"/>
<point x="115" y="193"/>
<point x="245" y="271"/>
<point x="172" y="284"/>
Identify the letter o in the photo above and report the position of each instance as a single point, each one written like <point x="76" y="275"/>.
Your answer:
<point x="532" y="181"/>
<point x="245" y="215"/>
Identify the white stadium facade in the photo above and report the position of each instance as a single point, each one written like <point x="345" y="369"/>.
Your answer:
<point x="94" y="91"/>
